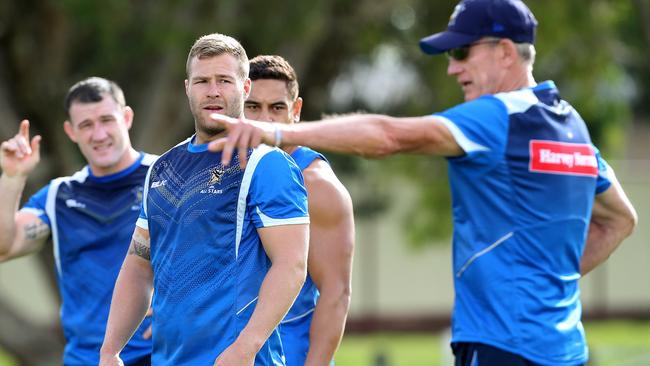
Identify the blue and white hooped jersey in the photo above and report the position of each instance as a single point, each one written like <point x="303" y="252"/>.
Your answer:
<point x="522" y="197"/>
<point x="92" y="220"/>
<point x="294" y="328"/>
<point x="207" y="257"/>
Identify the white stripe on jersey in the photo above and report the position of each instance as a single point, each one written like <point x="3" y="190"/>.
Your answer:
<point x="284" y="321"/>
<point x="50" y="208"/>
<point x="269" y="221"/>
<point x="465" y="143"/>
<point x="518" y="101"/>
<point x="144" y="223"/>
<point x="253" y="160"/>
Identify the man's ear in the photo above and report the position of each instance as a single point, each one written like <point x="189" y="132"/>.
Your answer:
<point x="297" y="108"/>
<point x="247" y="88"/>
<point x="69" y="130"/>
<point x="128" y="116"/>
<point x="509" y="54"/>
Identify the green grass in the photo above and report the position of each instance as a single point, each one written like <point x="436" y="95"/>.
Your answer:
<point x="411" y="350"/>
<point x="611" y="343"/>
<point x="619" y="343"/>
<point x="5" y="360"/>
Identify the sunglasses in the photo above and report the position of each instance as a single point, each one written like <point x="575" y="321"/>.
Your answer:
<point x="461" y="53"/>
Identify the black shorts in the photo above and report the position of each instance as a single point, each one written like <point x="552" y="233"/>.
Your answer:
<point x="144" y="361"/>
<point x="478" y="354"/>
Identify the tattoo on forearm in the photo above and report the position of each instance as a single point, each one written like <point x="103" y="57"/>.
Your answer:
<point x="140" y="248"/>
<point x="36" y="230"/>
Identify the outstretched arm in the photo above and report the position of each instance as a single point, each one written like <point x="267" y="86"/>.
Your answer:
<point x="368" y="135"/>
<point x="286" y="247"/>
<point x="131" y="298"/>
<point x="613" y="218"/>
<point x="20" y="232"/>
<point x="331" y="245"/>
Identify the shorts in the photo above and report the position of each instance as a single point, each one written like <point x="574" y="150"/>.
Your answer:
<point x="144" y="361"/>
<point x="478" y="354"/>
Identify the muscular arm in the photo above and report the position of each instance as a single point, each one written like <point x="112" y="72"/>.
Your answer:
<point x="286" y="247"/>
<point x="374" y="136"/>
<point x="612" y="219"/>
<point x="331" y="245"/>
<point x="20" y="233"/>
<point x="131" y="297"/>
<point x="368" y="135"/>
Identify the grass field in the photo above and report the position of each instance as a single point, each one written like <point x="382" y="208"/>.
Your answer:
<point x="4" y="360"/>
<point x="612" y="343"/>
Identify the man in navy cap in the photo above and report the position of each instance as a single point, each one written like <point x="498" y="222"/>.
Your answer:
<point x="535" y="206"/>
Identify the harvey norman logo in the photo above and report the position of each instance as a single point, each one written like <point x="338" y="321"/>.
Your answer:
<point x="562" y="158"/>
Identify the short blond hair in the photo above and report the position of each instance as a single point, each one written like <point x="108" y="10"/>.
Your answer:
<point x="217" y="44"/>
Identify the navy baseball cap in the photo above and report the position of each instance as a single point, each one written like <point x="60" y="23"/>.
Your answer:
<point x="475" y="19"/>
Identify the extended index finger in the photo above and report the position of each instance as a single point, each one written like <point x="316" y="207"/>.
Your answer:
<point x="24" y="129"/>
<point x="229" y="148"/>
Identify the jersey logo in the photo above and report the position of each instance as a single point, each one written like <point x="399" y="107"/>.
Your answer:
<point x="215" y="178"/>
<point x="555" y="157"/>
<point x="159" y="183"/>
<point x="215" y="175"/>
<point x="74" y="203"/>
<point x="457" y="10"/>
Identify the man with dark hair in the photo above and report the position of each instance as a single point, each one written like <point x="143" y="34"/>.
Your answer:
<point x="535" y="206"/>
<point x="224" y="248"/>
<point x="90" y="215"/>
<point x="312" y="330"/>
<point x="274" y="67"/>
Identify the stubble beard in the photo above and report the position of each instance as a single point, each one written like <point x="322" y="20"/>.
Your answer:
<point x="205" y="129"/>
<point x="234" y="110"/>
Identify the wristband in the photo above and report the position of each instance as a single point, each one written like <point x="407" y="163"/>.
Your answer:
<point x="278" y="135"/>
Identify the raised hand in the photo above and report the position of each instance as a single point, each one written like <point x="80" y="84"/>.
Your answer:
<point x="19" y="155"/>
<point x="242" y="135"/>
